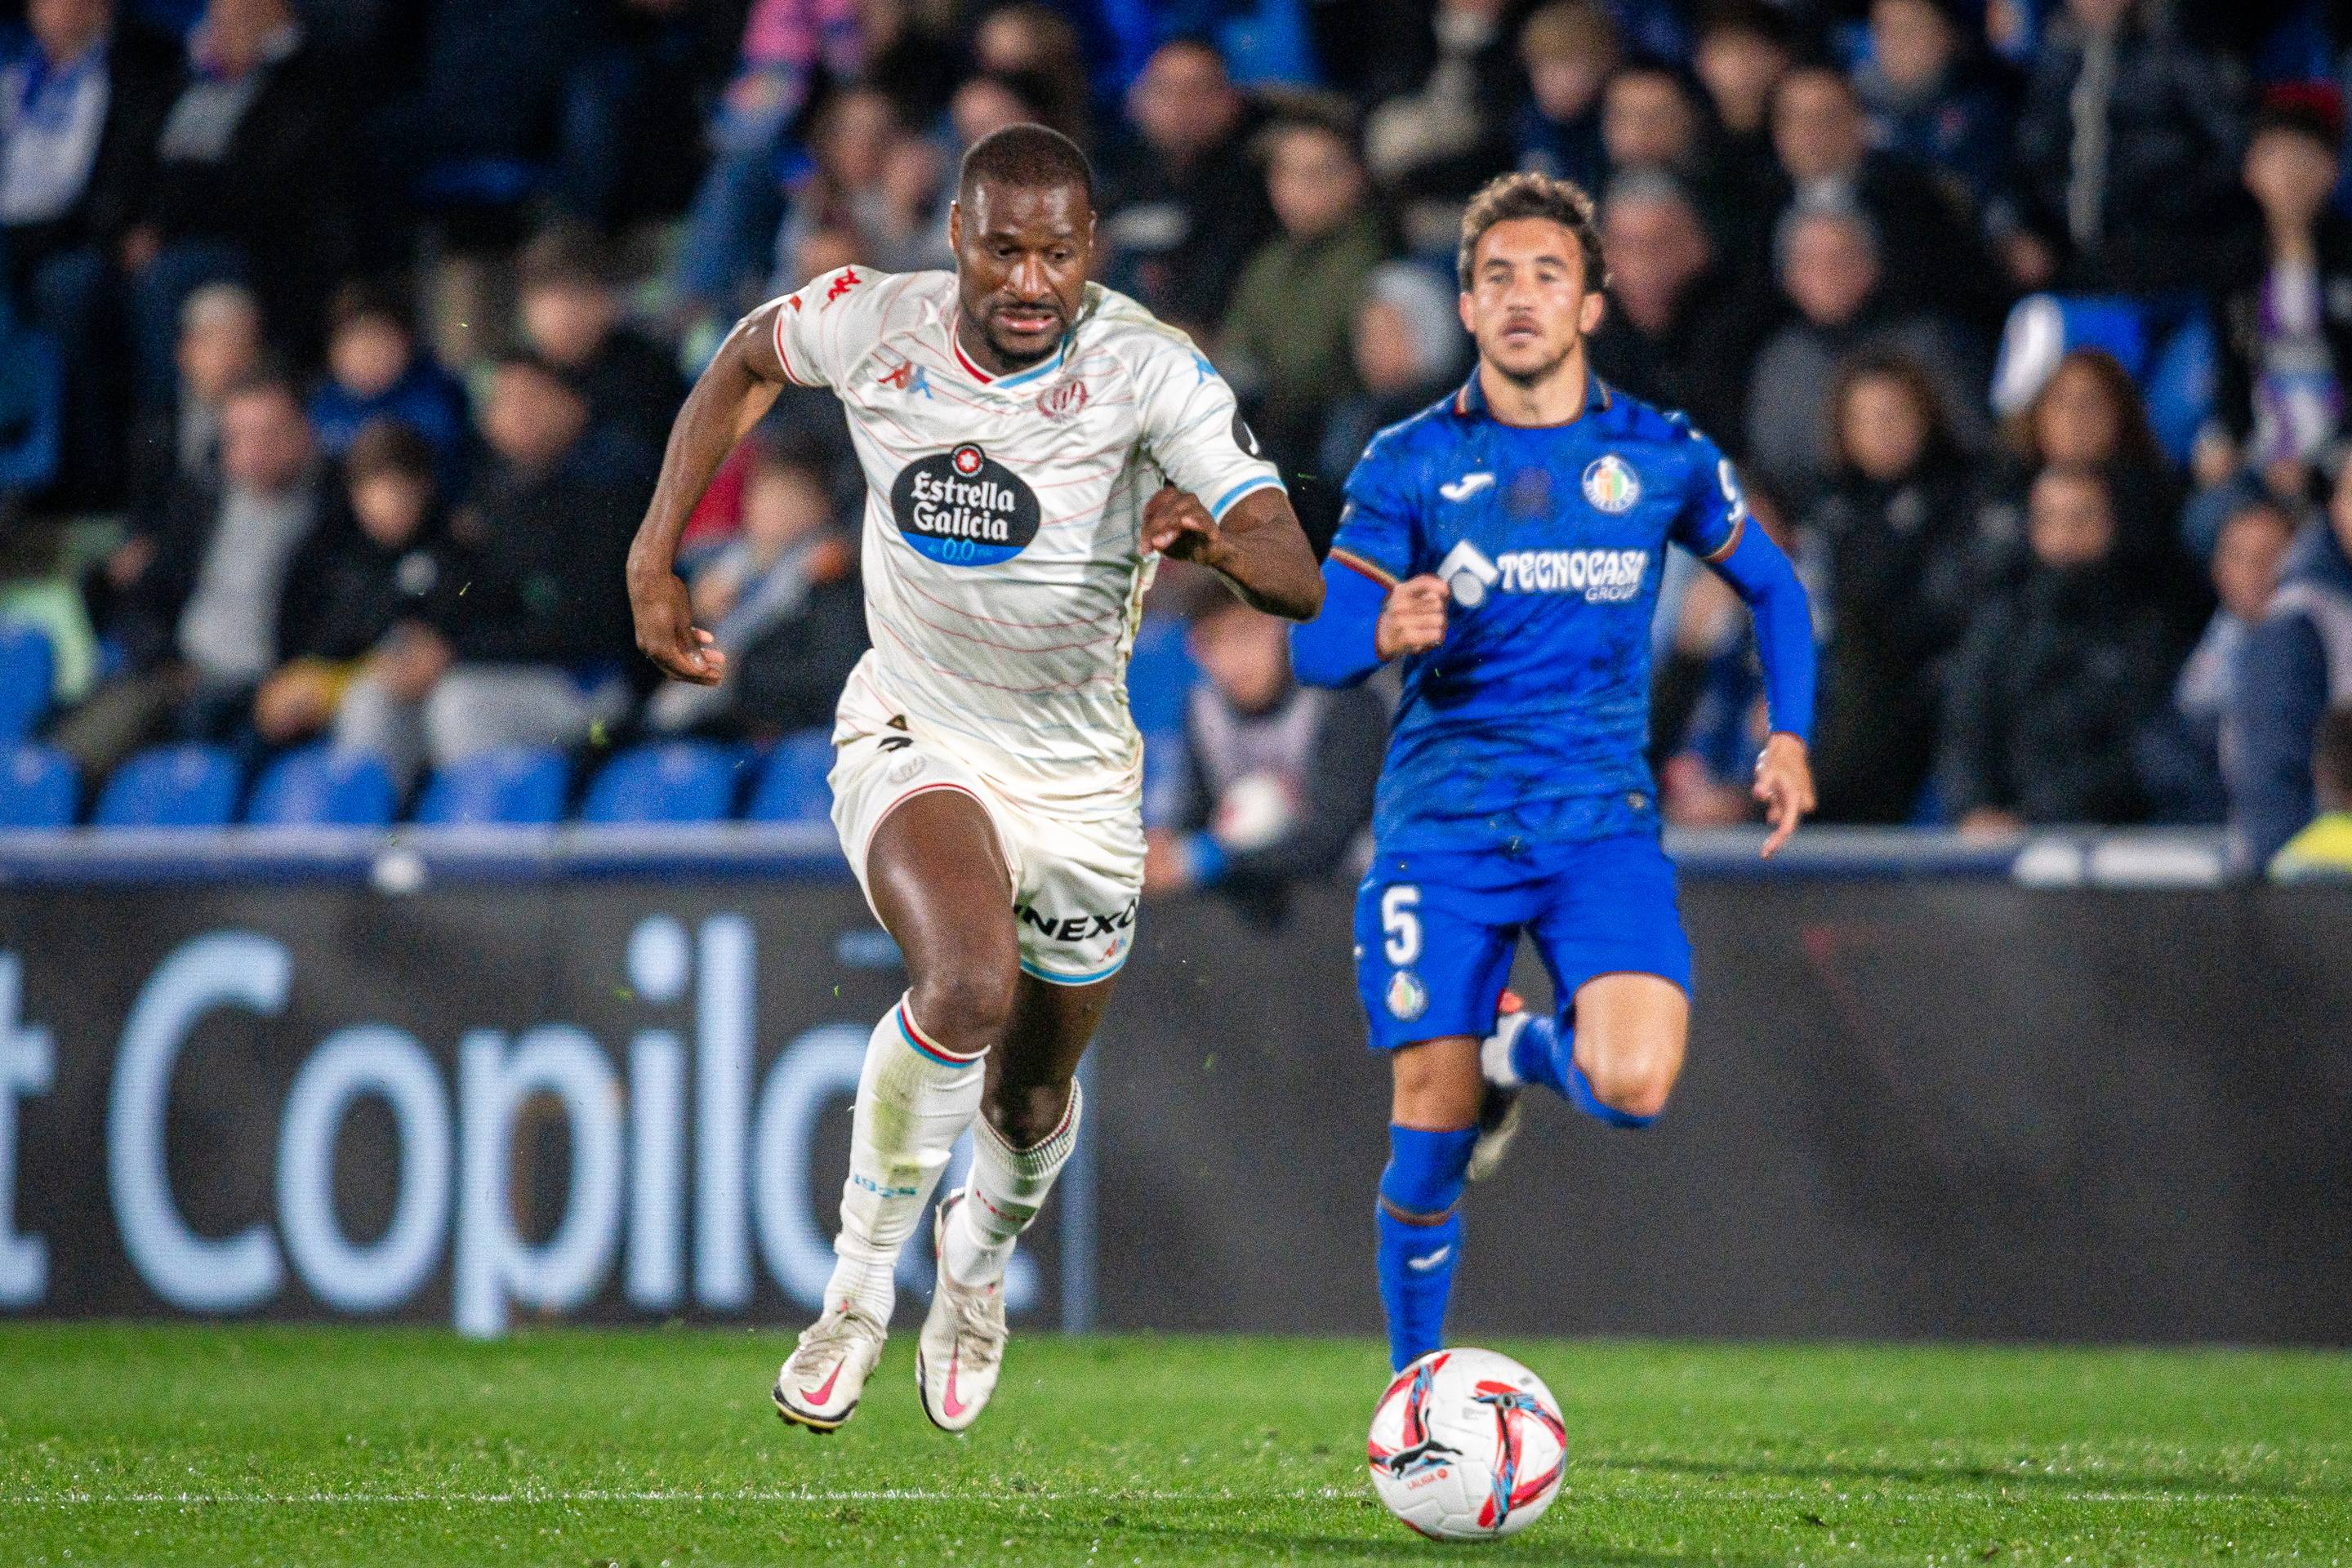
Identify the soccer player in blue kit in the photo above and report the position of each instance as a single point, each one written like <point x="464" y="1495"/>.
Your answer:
<point x="1506" y="543"/>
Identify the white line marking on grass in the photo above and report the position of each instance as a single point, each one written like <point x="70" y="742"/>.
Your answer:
<point x="1102" y="1494"/>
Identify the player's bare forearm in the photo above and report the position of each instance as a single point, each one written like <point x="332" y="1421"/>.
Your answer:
<point x="1257" y="548"/>
<point x="737" y="388"/>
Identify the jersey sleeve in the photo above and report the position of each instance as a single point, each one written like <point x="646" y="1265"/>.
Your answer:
<point x="1376" y="525"/>
<point x="1193" y="429"/>
<point x="1714" y="512"/>
<point x="822" y="326"/>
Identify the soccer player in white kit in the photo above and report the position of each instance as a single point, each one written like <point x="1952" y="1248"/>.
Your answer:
<point x="1032" y="444"/>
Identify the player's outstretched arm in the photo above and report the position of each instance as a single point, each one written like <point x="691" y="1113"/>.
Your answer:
<point x="739" y="387"/>
<point x="1258" y="547"/>
<point x="1760" y="574"/>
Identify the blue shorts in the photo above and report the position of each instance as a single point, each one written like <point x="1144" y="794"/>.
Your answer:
<point x="1435" y="932"/>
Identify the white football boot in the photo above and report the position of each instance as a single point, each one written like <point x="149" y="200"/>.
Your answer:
<point x="819" y="1384"/>
<point x="962" y="1345"/>
<point x="1499" y="1111"/>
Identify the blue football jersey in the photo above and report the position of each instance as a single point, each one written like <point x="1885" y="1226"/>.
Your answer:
<point x="1530" y="721"/>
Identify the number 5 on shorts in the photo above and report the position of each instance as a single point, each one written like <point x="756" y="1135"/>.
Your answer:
<point x="1400" y="924"/>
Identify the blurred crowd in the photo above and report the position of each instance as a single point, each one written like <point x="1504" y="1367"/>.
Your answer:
<point x="350" y="332"/>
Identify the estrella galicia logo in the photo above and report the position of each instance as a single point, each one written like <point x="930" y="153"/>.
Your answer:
<point x="1611" y="485"/>
<point x="1467" y="574"/>
<point x="963" y="508"/>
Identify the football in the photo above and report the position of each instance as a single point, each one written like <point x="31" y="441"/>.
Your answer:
<point x="1467" y="1444"/>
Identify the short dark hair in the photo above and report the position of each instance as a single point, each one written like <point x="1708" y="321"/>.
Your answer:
<point x="271" y="378"/>
<point x="565" y="254"/>
<point x="2331" y="753"/>
<point x="1754" y="18"/>
<point x="386" y="446"/>
<point x="539" y="364"/>
<point x="371" y="298"/>
<point x="1530" y="194"/>
<point x="790" y="452"/>
<point x="1034" y="156"/>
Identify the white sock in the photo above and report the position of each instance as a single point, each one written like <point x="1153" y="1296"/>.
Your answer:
<point x="1006" y="1188"/>
<point x="915" y="1098"/>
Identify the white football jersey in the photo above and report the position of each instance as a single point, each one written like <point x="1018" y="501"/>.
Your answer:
<point x="1003" y="566"/>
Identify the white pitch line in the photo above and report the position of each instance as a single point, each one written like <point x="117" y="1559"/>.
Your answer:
<point x="688" y="1495"/>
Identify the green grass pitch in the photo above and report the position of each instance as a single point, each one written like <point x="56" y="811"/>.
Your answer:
<point x="152" y="1444"/>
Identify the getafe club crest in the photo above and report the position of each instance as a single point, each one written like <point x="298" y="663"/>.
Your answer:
<point x="1610" y="486"/>
<point x="1407" y="997"/>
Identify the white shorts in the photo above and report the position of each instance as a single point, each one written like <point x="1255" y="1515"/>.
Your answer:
<point x="1076" y="883"/>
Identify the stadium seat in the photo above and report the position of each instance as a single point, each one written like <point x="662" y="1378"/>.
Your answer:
<point x="323" y="786"/>
<point x="1163" y="775"/>
<point x="171" y="786"/>
<point x="37" y="788"/>
<point x="681" y="781"/>
<point x="2043" y="329"/>
<point x="516" y="785"/>
<point x="28" y="672"/>
<point x="1159" y="674"/>
<point x="32" y="408"/>
<point x="792" y="787"/>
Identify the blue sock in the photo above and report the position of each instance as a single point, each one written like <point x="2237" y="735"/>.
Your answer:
<point x="1416" y="1262"/>
<point x="1543" y="1055"/>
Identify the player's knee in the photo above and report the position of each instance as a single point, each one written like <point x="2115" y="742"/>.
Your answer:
<point x="1633" y="1083"/>
<point x="1025" y="1115"/>
<point x="967" y="1005"/>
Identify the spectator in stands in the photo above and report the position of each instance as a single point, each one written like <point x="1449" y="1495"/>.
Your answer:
<point x="1927" y="239"/>
<point x="2181" y="753"/>
<point x="1571" y="49"/>
<point x="2056" y="677"/>
<point x="848" y="147"/>
<point x="536" y="648"/>
<point x="1288" y="332"/>
<point x="378" y="591"/>
<point x="784" y="601"/>
<point x="1925" y="98"/>
<point x="2090" y="414"/>
<point x="219" y="345"/>
<point x="1741" y="54"/>
<point x="1033" y="40"/>
<point x="903" y="218"/>
<point x="377" y="369"/>
<point x="1277" y="776"/>
<point x="80" y="104"/>
<point x="1444" y="138"/>
<point x="2125" y="147"/>
<point x="225" y="592"/>
<point x="986" y="104"/>
<point x="1893" y="523"/>
<point x="1830" y="270"/>
<point x="572" y="313"/>
<point x="2296" y="666"/>
<point x="1407" y="353"/>
<point x="1680" y="330"/>
<point x="732" y="227"/>
<point x="2285" y="316"/>
<point x="1182" y="208"/>
<point x="2323" y="850"/>
<point x="253" y="182"/>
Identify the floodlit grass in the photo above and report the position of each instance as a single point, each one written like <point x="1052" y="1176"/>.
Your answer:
<point x="277" y="1446"/>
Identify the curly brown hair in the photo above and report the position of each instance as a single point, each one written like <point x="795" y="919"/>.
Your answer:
<point x="1530" y="194"/>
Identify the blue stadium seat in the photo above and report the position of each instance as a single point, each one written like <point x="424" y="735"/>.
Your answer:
<point x="792" y="787"/>
<point x="27" y="670"/>
<point x="323" y="786"/>
<point x="512" y="784"/>
<point x="37" y="788"/>
<point x="2043" y="329"/>
<point x="32" y="407"/>
<point x="1163" y="775"/>
<point x="680" y="781"/>
<point x="171" y="786"/>
<point x="1159" y="674"/>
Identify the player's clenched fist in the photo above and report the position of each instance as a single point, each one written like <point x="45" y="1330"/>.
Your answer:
<point x="1413" y="619"/>
<point x="667" y="632"/>
<point x="1176" y="524"/>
